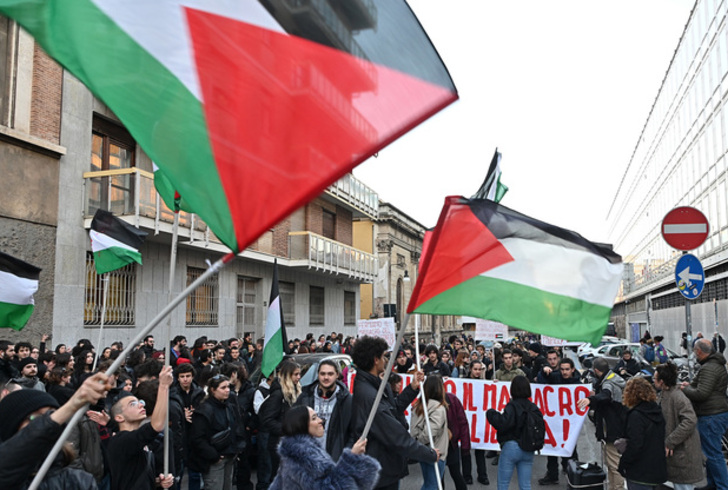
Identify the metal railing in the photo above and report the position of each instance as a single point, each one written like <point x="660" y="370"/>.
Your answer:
<point x="357" y="194"/>
<point x="323" y="254"/>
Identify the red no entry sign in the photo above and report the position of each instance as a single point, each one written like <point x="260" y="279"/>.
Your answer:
<point x="685" y="228"/>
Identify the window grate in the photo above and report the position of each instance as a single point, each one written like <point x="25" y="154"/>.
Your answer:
<point x="121" y="297"/>
<point x="202" y="303"/>
<point x="247" y="301"/>
<point x="316" y="306"/>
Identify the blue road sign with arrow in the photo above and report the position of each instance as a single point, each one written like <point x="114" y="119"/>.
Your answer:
<point x="689" y="276"/>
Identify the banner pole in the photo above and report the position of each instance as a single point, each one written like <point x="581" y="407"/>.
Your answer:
<point x="387" y="372"/>
<point x="100" y="349"/>
<point x="424" y="407"/>
<point x="168" y="331"/>
<point x="117" y="363"/>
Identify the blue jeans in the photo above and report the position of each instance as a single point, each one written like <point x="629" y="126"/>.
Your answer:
<point x="428" y="473"/>
<point x="711" y="428"/>
<point x="513" y="457"/>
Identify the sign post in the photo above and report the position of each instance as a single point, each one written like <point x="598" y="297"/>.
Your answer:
<point x="685" y="229"/>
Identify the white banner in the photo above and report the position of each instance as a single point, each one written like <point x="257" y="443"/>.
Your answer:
<point x="489" y="330"/>
<point x="554" y="342"/>
<point x="562" y="417"/>
<point x="379" y="327"/>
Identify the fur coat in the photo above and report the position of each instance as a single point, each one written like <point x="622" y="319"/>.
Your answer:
<point x="306" y="465"/>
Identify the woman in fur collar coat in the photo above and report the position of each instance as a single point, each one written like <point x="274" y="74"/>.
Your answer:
<point x="305" y="464"/>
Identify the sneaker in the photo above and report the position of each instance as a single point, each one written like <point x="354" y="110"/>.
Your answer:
<point x="483" y="480"/>
<point x="546" y="480"/>
<point x="468" y="480"/>
<point x="495" y="460"/>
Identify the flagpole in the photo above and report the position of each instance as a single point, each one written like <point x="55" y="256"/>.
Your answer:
<point x="424" y="407"/>
<point x="117" y="363"/>
<point x="384" y="383"/>
<point x="99" y="349"/>
<point x="168" y="330"/>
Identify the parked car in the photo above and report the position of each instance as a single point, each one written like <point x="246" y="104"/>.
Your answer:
<point x="585" y="349"/>
<point x="613" y="353"/>
<point x="309" y="366"/>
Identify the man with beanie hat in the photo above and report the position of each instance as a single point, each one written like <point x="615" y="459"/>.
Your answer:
<point x="29" y="427"/>
<point x="29" y="373"/>
<point x="538" y="361"/>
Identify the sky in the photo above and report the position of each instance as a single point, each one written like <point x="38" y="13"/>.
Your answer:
<point x="562" y="88"/>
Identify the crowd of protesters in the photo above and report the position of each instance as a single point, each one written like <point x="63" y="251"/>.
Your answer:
<point x="223" y="427"/>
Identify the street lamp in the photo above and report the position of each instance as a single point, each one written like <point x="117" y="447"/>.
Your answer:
<point x="406" y="277"/>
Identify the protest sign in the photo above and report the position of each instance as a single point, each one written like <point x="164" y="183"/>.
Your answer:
<point x="489" y="330"/>
<point x="379" y="327"/>
<point x="562" y="417"/>
<point x="554" y="342"/>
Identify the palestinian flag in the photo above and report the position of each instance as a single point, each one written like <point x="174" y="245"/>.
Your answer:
<point x="488" y="261"/>
<point x="166" y="191"/>
<point x="251" y="108"/>
<point x="115" y="243"/>
<point x="276" y="340"/>
<point x="18" y="283"/>
<point x="492" y="187"/>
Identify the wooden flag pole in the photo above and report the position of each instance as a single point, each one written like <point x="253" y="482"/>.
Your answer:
<point x="166" y="338"/>
<point x="424" y="407"/>
<point x="387" y="372"/>
<point x="100" y="349"/>
<point x="117" y="363"/>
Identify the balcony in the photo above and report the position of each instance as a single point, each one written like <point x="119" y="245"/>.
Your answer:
<point x="315" y="252"/>
<point x="130" y="193"/>
<point x="360" y="198"/>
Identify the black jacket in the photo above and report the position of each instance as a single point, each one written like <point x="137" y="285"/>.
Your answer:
<point x="608" y="408"/>
<point x="24" y="453"/>
<point x="388" y="440"/>
<point x="644" y="459"/>
<point x="211" y="417"/>
<point x="337" y="427"/>
<point x="440" y="368"/>
<point x="508" y="424"/>
<point x="632" y="366"/>
<point x="272" y="410"/>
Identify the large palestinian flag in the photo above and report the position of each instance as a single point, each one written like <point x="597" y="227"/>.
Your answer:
<point x="115" y="243"/>
<point x="18" y="283"/>
<point x="251" y="108"/>
<point x="488" y="261"/>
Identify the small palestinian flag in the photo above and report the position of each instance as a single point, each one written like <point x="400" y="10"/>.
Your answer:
<point x="488" y="261"/>
<point x="115" y="242"/>
<point x="276" y="340"/>
<point x="492" y="187"/>
<point x="167" y="192"/>
<point x="240" y="101"/>
<point x="18" y="283"/>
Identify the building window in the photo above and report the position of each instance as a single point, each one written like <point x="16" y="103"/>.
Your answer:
<point x="316" y="305"/>
<point x="287" y="293"/>
<point x="349" y="308"/>
<point x="120" y="299"/>
<point x="112" y="148"/>
<point x="247" y="304"/>
<point x="328" y="225"/>
<point x="202" y="303"/>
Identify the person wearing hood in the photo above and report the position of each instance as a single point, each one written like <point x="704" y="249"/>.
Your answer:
<point x="609" y="416"/>
<point x="643" y="462"/>
<point x="331" y="401"/>
<point x="707" y="392"/>
<point x="628" y="365"/>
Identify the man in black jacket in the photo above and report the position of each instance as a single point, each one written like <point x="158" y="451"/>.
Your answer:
<point x="389" y="442"/>
<point x="190" y="396"/>
<point x="331" y="400"/>
<point x="610" y="416"/>
<point x="434" y="364"/>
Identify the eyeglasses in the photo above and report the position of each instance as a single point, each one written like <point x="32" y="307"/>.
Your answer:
<point x="135" y="403"/>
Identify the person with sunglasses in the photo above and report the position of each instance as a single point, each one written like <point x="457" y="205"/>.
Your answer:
<point x="130" y="461"/>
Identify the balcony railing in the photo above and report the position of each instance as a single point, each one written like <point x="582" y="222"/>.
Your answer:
<point x="357" y="194"/>
<point x="323" y="254"/>
<point x="131" y="192"/>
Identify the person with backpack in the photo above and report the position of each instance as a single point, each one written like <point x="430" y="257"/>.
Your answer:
<point x="660" y="351"/>
<point x="521" y="431"/>
<point x="649" y="351"/>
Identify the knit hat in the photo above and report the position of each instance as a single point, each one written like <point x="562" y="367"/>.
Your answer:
<point x="535" y="347"/>
<point x="183" y="360"/>
<point x="18" y="405"/>
<point x="24" y="362"/>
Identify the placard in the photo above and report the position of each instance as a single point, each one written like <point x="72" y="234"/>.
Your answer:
<point x="378" y="327"/>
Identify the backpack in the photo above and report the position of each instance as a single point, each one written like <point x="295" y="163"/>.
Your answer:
<point x="650" y="353"/>
<point x="533" y="430"/>
<point x="661" y="354"/>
